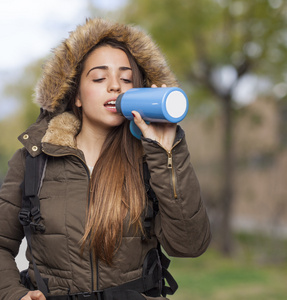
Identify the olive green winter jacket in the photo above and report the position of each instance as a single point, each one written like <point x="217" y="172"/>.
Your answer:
<point x="181" y="225"/>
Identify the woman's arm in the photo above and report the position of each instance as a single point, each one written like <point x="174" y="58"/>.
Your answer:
<point x="182" y="224"/>
<point x="11" y="231"/>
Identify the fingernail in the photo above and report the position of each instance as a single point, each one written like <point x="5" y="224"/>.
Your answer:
<point x="133" y="115"/>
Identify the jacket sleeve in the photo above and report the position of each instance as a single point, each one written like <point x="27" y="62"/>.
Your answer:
<point x="11" y="232"/>
<point x="181" y="225"/>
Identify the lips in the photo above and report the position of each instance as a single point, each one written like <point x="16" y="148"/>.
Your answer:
<point x="111" y="105"/>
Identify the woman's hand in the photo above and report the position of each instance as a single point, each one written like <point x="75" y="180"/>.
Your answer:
<point x="34" y="295"/>
<point x="163" y="133"/>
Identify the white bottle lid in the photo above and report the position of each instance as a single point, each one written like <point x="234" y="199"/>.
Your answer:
<point x="176" y="104"/>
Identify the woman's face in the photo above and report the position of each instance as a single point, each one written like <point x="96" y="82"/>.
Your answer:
<point x="106" y="74"/>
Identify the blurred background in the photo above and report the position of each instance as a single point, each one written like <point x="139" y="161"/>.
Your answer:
<point x="230" y="58"/>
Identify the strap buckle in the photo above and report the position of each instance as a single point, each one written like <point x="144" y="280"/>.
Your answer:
<point x="36" y="217"/>
<point x="31" y="218"/>
<point x="35" y="213"/>
<point x="24" y="217"/>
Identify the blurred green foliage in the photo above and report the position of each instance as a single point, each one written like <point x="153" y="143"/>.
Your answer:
<point x="198" y="36"/>
<point x="22" y="88"/>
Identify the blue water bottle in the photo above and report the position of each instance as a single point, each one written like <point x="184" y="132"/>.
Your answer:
<point x="165" y="105"/>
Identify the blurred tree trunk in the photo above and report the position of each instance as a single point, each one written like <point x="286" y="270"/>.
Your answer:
<point x="228" y="176"/>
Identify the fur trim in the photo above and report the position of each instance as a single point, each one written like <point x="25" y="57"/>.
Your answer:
<point x="62" y="130"/>
<point x="59" y="71"/>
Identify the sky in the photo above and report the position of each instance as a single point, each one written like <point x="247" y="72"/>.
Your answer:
<point x="29" y="29"/>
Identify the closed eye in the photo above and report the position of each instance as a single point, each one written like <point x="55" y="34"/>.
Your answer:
<point x="98" y="80"/>
<point x="126" y="80"/>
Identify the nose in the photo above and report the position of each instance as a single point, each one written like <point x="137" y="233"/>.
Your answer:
<point x="114" y="85"/>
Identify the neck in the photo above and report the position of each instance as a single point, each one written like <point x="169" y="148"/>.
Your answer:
<point x="90" y="141"/>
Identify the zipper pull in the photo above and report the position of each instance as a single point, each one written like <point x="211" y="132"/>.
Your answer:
<point x="169" y="160"/>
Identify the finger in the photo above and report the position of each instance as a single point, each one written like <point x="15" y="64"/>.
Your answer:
<point x="34" y="295"/>
<point x="163" y="85"/>
<point x="27" y="297"/>
<point x="141" y="124"/>
<point x="41" y="297"/>
<point x="153" y="86"/>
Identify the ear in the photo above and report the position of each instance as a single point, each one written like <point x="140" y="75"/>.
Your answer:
<point x="78" y="102"/>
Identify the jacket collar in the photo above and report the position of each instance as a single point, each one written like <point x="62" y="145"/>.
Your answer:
<point x="60" y="131"/>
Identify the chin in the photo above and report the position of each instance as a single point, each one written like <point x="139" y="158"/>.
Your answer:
<point x="116" y="122"/>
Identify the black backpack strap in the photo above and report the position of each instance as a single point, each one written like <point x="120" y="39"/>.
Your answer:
<point x="149" y="216"/>
<point x="166" y="276"/>
<point x="150" y="193"/>
<point x="151" y="211"/>
<point x="29" y="215"/>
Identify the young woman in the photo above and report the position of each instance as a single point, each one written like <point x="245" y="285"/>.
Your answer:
<point x="98" y="242"/>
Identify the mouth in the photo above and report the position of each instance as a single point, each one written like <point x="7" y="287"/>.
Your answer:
<point x="110" y="105"/>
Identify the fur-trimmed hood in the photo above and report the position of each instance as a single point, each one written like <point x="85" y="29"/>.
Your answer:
<point x="60" y="70"/>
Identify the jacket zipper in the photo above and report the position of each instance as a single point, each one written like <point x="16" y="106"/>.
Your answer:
<point x="88" y="173"/>
<point x="89" y="199"/>
<point x="91" y="256"/>
<point x="171" y="168"/>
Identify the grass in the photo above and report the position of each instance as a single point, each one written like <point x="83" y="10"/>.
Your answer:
<point x="244" y="276"/>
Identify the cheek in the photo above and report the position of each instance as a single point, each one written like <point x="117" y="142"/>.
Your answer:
<point x="89" y="94"/>
<point x="126" y="88"/>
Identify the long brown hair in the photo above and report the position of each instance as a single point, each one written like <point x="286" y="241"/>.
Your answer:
<point x="117" y="192"/>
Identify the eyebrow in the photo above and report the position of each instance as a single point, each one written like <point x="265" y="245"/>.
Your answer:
<point x="106" y="68"/>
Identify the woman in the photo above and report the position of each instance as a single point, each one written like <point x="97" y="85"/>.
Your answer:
<point x="93" y="199"/>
